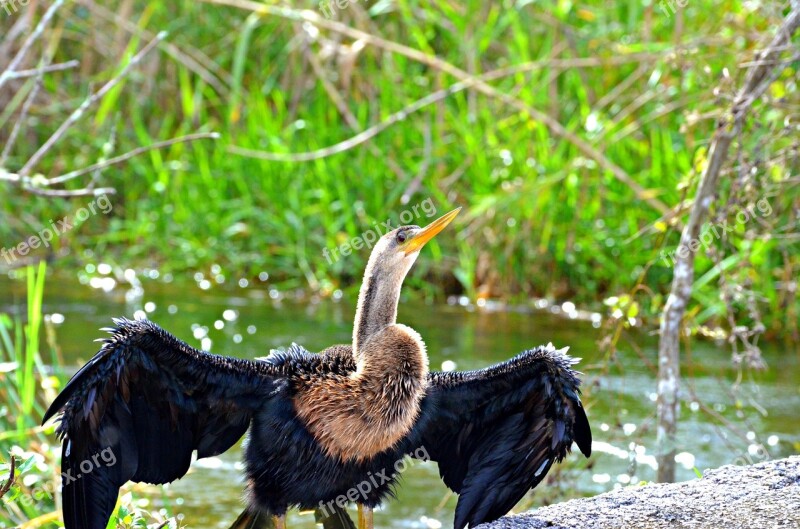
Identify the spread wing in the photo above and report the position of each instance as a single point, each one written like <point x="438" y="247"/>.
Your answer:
<point x="138" y="410"/>
<point x="496" y="432"/>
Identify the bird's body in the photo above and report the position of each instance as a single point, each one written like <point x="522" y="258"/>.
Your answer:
<point x="325" y="429"/>
<point x="312" y="461"/>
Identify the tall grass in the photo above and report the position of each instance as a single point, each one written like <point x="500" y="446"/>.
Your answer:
<point x="22" y="372"/>
<point x="23" y="366"/>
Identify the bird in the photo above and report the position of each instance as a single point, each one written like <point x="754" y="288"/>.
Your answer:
<point x="325" y="429"/>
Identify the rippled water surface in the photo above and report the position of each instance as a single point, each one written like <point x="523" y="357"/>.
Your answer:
<point x="619" y="396"/>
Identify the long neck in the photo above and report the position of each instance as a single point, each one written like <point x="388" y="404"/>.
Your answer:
<point x="377" y="303"/>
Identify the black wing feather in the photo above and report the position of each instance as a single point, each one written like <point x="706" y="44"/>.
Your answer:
<point x="138" y="410"/>
<point x="496" y="432"/>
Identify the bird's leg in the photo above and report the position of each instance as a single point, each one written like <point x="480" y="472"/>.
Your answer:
<point x="279" y="521"/>
<point x="365" y="519"/>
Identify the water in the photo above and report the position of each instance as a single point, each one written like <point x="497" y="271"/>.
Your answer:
<point x="619" y="393"/>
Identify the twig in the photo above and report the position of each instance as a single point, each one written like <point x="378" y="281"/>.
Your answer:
<point x="37" y="32"/>
<point x="130" y="154"/>
<point x="757" y="81"/>
<point x="21" y="74"/>
<point x="68" y="193"/>
<point x="8" y="484"/>
<point x="41" y="187"/>
<point x="88" y="102"/>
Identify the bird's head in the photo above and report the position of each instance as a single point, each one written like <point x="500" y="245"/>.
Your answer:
<point x="396" y="251"/>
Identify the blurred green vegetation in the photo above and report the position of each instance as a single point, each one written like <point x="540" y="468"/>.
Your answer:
<point x="640" y="84"/>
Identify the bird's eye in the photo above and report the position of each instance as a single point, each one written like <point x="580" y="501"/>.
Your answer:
<point x="401" y="237"/>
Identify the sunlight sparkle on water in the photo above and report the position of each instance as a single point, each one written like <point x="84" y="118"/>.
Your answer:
<point x="105" y="284"/>
<point x="431" y="523"/>
<point x="209" y="462"/>
<point x="686" y="459"/>
<point x="448" y="365"/>
<point x="628" y="428"/>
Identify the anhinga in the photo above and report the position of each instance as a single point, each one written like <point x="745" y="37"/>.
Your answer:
<point x="320" y="424"/>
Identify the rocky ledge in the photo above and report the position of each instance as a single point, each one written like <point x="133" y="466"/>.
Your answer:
<point x="762" y="496"/>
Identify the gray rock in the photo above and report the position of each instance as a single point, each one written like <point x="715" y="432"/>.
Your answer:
<point x="763" y="496"/>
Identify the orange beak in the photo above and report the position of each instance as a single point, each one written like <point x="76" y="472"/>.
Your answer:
<point x="415" y="243"/>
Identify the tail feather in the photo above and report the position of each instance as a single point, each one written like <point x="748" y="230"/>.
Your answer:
<point x="338" y="519"/>
<point x="254" y="520"/>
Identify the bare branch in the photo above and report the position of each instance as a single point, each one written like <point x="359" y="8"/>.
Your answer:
<point x="66" y="193"/>
<point x="37" y="32"/>
<point x="758" y="79"/>
<point x="130" y="154"/>
<point x="22" y="74"/>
